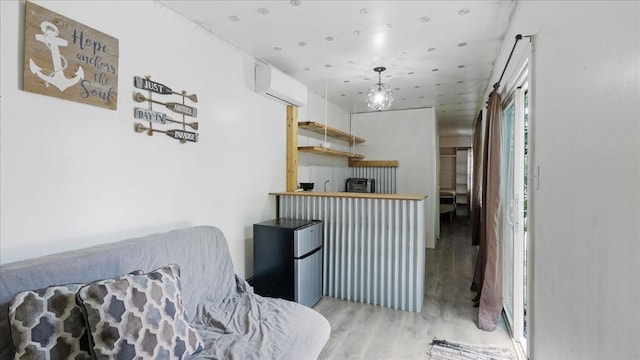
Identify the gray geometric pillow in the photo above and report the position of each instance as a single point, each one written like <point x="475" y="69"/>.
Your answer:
<point x="139" y="316"/>
<point x="47" y="324"/>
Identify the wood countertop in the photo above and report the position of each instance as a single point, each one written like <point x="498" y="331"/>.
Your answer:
<point x="353" y="195"/>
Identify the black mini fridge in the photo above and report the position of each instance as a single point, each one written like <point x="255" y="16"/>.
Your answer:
<point x="287" y="260"/>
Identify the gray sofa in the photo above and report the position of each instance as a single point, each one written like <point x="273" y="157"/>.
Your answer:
<point x="233" y="322"/>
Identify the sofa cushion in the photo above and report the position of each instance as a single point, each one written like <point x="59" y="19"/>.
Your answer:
<point x="47" y="324"/>
<point x="139" y="316"/>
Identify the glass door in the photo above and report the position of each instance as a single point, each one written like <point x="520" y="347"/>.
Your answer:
<point x="520" y="163"/>
<point x="514" y="191"/>
<point x="508" y="230"/>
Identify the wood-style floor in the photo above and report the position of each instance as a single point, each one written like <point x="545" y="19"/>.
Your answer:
<point x="362" y="331"/>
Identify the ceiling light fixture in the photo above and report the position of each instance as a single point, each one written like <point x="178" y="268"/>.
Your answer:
<point x="294" y="2"/>
<point x="379" y="96"/>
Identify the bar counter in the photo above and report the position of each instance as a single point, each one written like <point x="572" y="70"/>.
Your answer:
<point x="374" y="244"/>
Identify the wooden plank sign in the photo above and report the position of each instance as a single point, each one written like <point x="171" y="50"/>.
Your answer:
<point x="149" y="115"/>
<point x="176" y="134"/>
<point x="173" y="106"/>
<point x="69" y="60"/>
<point x="159" y="118"/>
<point x="146" y="84"/>
<point x="183" y="135"/>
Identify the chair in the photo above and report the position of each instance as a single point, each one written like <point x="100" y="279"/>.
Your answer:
<point x="448" y="203"/>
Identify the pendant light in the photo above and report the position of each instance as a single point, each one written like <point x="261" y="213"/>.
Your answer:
<point x="379" y="96"/>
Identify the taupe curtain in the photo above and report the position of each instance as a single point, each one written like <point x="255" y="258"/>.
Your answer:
<point x="488" y="276"/>
<point x="476" y="181"/>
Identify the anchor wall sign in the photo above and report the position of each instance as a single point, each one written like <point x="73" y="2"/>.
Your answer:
<point x="66" y="59"/>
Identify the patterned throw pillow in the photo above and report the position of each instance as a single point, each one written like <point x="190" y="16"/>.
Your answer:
<point x="139" y="316"/>
<point x="47" y="324"/>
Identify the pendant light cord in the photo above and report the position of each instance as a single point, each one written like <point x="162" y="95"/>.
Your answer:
<point x="353" y="138"/>
<point x="326" y="107"/>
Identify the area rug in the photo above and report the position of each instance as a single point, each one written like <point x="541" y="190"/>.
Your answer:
<point x="447" y="350"/>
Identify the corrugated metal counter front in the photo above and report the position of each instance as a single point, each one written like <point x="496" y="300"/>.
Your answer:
<point x="374" y="244"/>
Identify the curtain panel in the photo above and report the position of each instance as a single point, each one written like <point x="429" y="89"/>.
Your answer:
<point x="476" y="181"/>
<point x="488" y="275"/>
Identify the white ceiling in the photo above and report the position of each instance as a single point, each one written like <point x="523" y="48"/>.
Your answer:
<point x="437" y="53"/>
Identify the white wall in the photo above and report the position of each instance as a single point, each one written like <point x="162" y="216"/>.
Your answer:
<point x="585" y="215"/>
<point x="409" y="136"/>
<point x="74" y="175"/>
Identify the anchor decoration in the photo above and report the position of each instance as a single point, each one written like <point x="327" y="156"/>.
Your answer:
<point x="57" y="78"/>
<point x="68" y="60"/>
<point x="159" y="118"/>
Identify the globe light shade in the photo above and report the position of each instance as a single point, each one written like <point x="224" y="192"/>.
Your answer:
<point x="379" y="96"/>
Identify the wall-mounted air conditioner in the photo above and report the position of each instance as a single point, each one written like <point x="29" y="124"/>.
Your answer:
<point x="274" y="84"/>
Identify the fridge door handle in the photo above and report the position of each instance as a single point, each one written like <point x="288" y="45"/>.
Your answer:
<point x="308" y="254"/>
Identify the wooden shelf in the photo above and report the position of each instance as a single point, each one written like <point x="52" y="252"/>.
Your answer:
<point x="374" y="163"/>
<point x="329" y="152"/>
<point x="319" y="128"/>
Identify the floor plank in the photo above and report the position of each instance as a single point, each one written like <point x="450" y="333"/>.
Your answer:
<point x="363" y="331"/>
